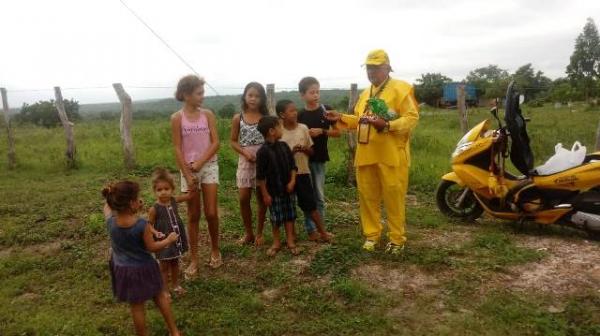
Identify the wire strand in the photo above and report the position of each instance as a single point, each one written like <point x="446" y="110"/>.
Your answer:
<point x="165" y="43"/>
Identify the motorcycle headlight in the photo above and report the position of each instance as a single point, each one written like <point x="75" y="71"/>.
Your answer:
<point x="461" y="148"/>
<point x="463" y="144"/>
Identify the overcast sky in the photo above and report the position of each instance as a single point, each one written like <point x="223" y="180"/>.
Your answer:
<point x="94" y="43"/>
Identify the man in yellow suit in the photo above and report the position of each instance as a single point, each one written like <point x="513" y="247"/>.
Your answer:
<point x="383" y="152"/>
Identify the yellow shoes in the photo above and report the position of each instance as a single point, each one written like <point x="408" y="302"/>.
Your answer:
<point x="391" y="248"/>
<point x="369" y="245"/>
<point x="394" y="249"/>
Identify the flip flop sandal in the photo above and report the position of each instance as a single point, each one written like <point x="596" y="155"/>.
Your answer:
<point x="272" y="251"/>
<point x="294" y="250"/>
<point x="179" y="290"/>
<point x="215" y="263"/>
<point x="190" y="273"/>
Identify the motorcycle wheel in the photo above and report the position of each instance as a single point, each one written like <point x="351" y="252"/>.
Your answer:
<point x="594" y="235"/>
<point x="447" y="195"/>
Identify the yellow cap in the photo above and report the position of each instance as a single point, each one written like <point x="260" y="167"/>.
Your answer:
<point x="377" y="57"/>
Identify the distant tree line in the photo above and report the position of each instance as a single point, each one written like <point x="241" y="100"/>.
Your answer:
<point x="581" y="83"/>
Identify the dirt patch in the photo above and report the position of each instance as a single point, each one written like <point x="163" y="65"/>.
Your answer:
<point x="455" y="238"/>
<point x="271" y="294"/>
<point x="569" y="266"/>
<point x="406" y="280"/>
<point x="411" y="200"/>
<point x="27" y="297"/>
<point x="45" y="249"/>
<point x="6" y="252"/>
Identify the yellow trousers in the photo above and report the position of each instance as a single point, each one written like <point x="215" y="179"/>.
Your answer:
<point x="379" y="182"/>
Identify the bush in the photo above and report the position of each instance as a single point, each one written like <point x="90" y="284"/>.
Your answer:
<point x="227" y="111"/>
<point x="44" y="113"/>
<point x="537" y="102"/>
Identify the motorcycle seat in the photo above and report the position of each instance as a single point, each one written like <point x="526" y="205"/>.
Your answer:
<point x="512" y="177"/>
<point x="592" y="157"/>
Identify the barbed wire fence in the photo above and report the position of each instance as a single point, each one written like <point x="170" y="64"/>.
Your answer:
<point x="126" y="114"/>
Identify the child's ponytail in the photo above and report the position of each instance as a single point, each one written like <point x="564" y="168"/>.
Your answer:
<point x="106" y="191"/>
<point x="119" y="195"/>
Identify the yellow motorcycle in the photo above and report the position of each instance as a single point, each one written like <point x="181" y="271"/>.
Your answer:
<point x="480" y="182"/>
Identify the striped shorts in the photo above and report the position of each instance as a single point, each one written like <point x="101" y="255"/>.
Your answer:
<point x="283" y="209"/>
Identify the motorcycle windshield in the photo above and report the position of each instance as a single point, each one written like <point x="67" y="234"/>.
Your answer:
<point x="520" y="150"/>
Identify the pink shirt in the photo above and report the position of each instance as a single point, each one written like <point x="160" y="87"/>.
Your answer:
<point x="195" y="138"/>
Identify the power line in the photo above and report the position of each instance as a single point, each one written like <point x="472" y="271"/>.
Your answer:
<point x="165" y="43"/>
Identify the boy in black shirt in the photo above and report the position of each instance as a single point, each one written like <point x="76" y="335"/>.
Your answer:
<point x="320" y="129"/>
<point x="276" y="178"/>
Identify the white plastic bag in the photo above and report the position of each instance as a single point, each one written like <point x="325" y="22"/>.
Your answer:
<point x="578" y="153"/>
<point x="563" y="159"/>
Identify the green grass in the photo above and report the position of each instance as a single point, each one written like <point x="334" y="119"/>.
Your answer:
<point x="54" y="248"/>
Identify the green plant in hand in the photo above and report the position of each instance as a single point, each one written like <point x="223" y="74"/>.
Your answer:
<point x="380" y="109"/>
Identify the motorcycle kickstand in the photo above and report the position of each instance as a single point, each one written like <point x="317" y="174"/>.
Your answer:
<point x="520" y="227"/>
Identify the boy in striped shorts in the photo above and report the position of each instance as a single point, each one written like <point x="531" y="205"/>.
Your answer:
<point x="276" y="178"/>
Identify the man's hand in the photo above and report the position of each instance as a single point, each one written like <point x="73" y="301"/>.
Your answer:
<point x="378" y="123"/>
<point x="315" y="132"/>
<point x="333" y="115"/>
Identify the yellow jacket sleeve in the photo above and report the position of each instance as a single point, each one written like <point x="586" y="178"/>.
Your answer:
<point x="407" y="108"/>
<point x="349" y="121"/>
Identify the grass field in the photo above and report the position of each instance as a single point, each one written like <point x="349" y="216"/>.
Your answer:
<point x="453" y="279"/>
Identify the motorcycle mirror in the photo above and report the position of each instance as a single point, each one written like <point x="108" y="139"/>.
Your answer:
<point x="494" y="112"/>
<point x="521" y="99"/>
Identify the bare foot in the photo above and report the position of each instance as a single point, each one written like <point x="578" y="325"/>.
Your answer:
<point x="326" y="237"/>
<point x="247" y="240"/>
<point x="259" y="241"/>
<point x="313" y="236"/>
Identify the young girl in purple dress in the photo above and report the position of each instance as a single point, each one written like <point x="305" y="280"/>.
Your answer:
<point x="134" y="272"/>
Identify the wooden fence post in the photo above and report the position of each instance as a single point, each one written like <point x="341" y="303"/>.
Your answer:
<point x="351" y="136"/>
<point x="271" y="98"/>
<point x="461" y="107"/>
<point x="12" y="162"/>
<point x="125" y="125"/>
<point x="67" y="125"/>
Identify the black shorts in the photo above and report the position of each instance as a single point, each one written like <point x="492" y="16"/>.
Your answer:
<point x="305" y="193"/>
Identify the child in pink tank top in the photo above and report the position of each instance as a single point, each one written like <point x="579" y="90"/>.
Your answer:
<point x="195" y="140"/>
